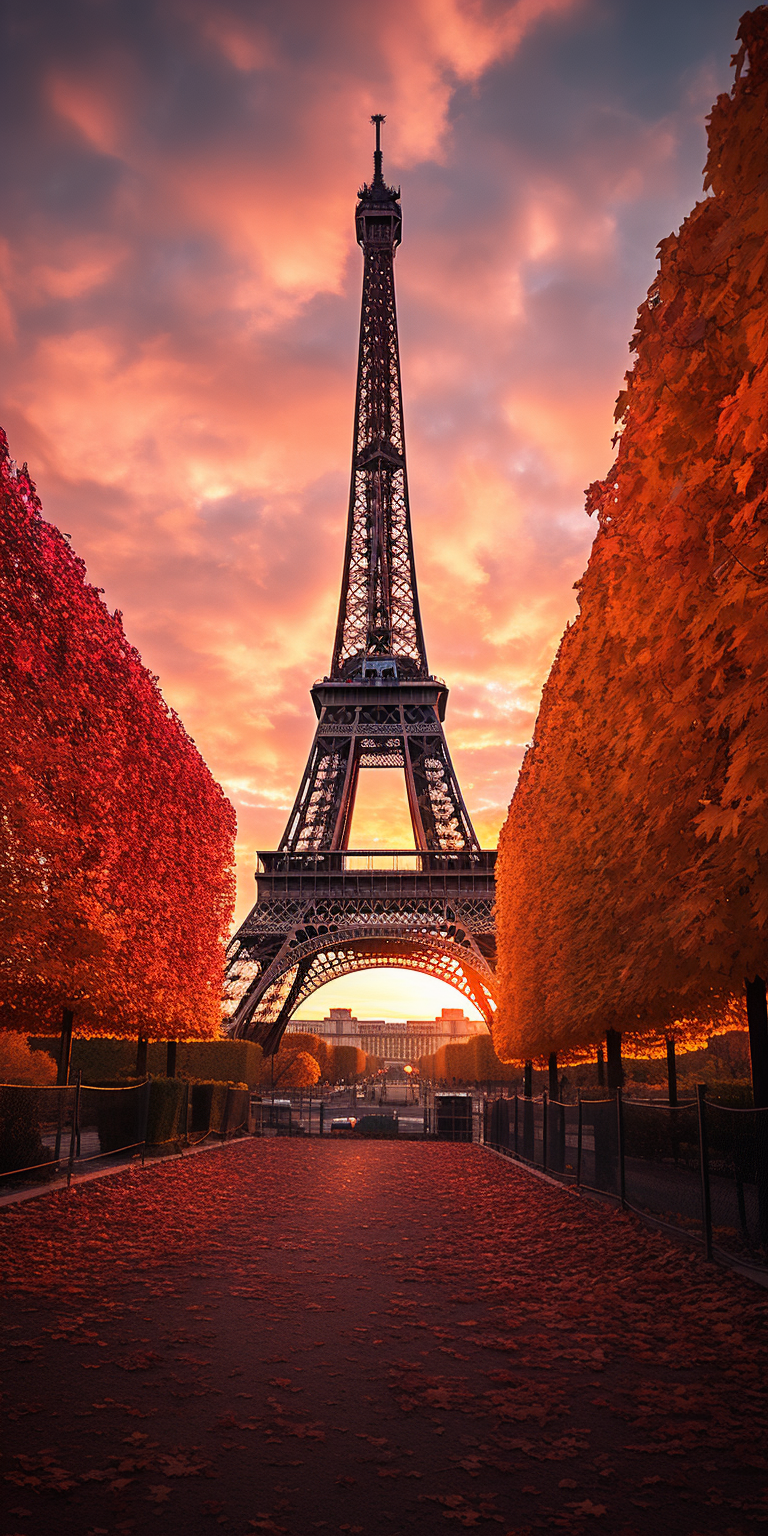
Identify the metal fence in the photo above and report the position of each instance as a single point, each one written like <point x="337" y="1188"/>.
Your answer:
<point x="448" y="1116"/>
<point x="699" y="1169"/>
<point x="47" y="1133"/>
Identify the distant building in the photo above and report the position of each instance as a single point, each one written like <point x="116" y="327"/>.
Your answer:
<point x="393" y="1042"/>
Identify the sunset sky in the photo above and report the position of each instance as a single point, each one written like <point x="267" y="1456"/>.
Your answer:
<point x="179" y="303"/>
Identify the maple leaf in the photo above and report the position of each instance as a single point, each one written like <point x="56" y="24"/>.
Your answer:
<point x="159" y="1494"/>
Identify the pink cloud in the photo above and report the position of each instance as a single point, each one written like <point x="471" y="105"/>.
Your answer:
<point x="180" y="291"/>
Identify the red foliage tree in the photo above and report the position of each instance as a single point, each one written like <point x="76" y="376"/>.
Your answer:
<point x="632" y="889"/>
<point x="116" y="844"/>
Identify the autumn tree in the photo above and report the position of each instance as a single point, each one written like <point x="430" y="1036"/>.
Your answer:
<point x="290" y="1068"/>
<point x="632" y="889"/>
<point x="348" y="1062"/>
<point x="116" y="844"/>
<point x="303" y="1040"/>
<point x="473" y="1060"/>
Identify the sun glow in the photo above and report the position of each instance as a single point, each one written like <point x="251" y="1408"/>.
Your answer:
<point x="386" y="993"/>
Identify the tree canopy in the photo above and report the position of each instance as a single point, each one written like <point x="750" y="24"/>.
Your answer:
<point x="116" y="844"/>
<point x="632" y="888"/>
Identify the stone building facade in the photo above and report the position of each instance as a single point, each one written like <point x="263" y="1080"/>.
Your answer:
<point x="393" y="1042"/>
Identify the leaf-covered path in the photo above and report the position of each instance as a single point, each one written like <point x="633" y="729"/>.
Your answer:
<point x="286" y="1336"/>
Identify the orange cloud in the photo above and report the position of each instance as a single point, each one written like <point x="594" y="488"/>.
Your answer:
<point x="179" y="294"/>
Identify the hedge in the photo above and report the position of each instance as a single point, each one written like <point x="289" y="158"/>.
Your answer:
<point x="166" y="1121"/>
<point x="211" y="1060"/>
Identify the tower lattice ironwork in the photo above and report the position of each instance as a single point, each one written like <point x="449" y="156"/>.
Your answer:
<point x="322" y="911"/>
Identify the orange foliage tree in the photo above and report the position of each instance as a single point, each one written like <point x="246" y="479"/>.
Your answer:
<point x="290" y="1067"/>
<point x="315" y="1046"/>
<point x="633" y="871"/>
<point x="335" y="1062"/>
<point x="116" y="844"/>
<point x="469" y="1061"/>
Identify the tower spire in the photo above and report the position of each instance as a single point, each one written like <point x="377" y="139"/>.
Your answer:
<point x="379" y="707"/>
<point x="379" y="604"/>
<point x="378" y="178"/>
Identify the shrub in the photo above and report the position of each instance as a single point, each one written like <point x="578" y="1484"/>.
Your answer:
<point x="20" y="1064"/>
<point x="166" y="1121"/>
<point x="209" y="1103"/>
<point x="21" y="1145"/>
<point x="118" y="1116"/>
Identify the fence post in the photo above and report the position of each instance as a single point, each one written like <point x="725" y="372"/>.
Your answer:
<point x="543" y="1130"/>
<point x="671" y="1070"/>
<point x="578" y="1145"/>
<point x="554" y="1092"/>
<point x="60" y="1097"/>
<point x="65" y="1047"/>
<point x="145" y="1117"/>
<point x="75" y="1126"/>
<point x="322" y="1115"/>
<point x="185" y="1112"/>
<point x="706" y="1204"/>
<point x="620" y="1147"/>
<point x="515" y="1122"/>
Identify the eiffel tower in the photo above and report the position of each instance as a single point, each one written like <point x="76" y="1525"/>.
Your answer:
<point x="323" y="910"/>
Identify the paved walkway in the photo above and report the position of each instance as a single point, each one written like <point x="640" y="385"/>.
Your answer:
<point x="294" y="1337"/>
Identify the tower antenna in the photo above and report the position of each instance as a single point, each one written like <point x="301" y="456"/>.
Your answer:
<point x="378" y="118"/>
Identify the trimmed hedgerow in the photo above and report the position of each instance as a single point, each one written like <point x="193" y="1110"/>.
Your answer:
<point x="209" y="1060"/>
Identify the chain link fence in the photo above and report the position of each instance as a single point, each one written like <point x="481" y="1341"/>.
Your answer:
<point x="698" y="1169"/>
<point x="48" y="1133"/>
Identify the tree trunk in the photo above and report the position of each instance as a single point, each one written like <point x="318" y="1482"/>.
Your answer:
<point x="757" y="1019"/>
<point x="141" y="1056"/>
<point x="671" y="1069"/>
<point x="528" y="1080"/>
<point x="600" y="1067"/>
<point x="65" y="1047"/>
<point x="613" y="1054"/>
<point x="554" y="1089"/>
<point x="170" y="1059"/>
